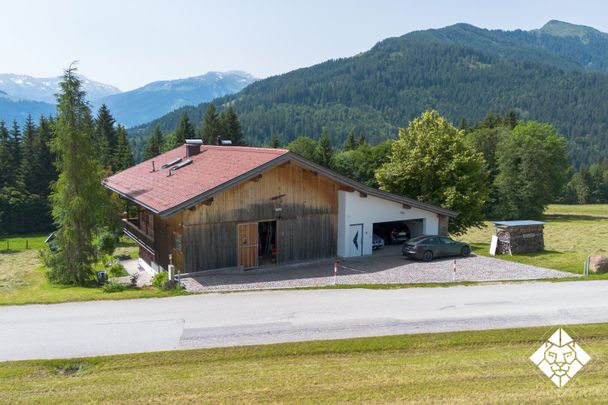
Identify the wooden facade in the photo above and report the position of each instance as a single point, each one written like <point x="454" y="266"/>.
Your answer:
<point x="222" y="231"/>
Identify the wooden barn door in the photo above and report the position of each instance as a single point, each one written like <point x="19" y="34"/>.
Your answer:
<point x="248" y="245"/>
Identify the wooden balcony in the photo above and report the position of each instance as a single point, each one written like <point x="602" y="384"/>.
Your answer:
<point x="132" y="230"/>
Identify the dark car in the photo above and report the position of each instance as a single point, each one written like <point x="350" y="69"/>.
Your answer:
<point x="392" y="232"/>
<point x="427" y="248"/>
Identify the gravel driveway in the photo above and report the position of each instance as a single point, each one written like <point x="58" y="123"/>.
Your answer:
<point x="386" y="266"/>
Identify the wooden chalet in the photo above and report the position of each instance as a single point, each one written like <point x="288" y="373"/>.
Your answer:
<point x="203" y="207"/>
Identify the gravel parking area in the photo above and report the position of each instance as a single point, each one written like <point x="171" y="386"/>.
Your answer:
<point x="386" y="266"/>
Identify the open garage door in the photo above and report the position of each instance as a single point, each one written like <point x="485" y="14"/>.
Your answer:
<point x="392" y="222"/>
<point x="397" y="232"/>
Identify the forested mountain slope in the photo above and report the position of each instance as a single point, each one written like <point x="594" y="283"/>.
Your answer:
<point x="555" y="74"/>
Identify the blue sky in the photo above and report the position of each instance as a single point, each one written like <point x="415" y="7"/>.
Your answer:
<point x="132" y="42"/>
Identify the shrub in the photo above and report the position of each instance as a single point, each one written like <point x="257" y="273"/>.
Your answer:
<point x="159" y="279"/>
<point x="107" y="243"/>
<point x="116" y="270"/>
<point x="113" y="286"/>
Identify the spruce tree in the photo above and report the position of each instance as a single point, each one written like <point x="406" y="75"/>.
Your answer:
<point x="5" y="156"/>
<point x="27" y="166"/>
<point x="231" y="126"/>
<point x="511" y="119"/>
<point x="123" y="157"/>
<point x="350" y="143"/>
<point x="362" y="140"/>
<point x="211" y="126"/>
<point x="274" y="141"/>
<point x="79" y="202"/>
<point x="185" y="130"/>
<point x="45" y="171"/>
<point x="325" y="152"/>
<point x="155" y="144"/>
<point x="105" y="136"/>
<point x="14" y="154"/>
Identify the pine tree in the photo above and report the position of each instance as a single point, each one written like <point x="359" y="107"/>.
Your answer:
<point x="211" y="126"/>
<point x="325" y="152"/>
<point x="155" y="144"/>
<point x="105" y="136"/>
<point x="27" y="166"/>
<point x="231" y="126"/>
<point x="350" y="143"/>
<point x="123" y="157"/>
<point x="79" y="201"/>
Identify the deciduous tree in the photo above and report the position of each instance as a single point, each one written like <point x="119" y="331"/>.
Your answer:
<point x="432" y="163"/>
<point x="532" y="165"/>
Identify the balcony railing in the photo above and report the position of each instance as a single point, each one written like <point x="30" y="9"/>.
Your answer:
<point x="132" y="230"/>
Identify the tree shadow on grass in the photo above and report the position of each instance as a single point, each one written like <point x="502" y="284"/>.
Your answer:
<point x="572" y="217"/>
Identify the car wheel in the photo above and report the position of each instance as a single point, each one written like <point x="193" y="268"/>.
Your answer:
<point x="465" y="251"/>
<point x="427" y="256"/>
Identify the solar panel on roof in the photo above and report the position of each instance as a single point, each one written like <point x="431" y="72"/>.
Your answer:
<point x="182" y="164"/>
<point x="171" y="163"/>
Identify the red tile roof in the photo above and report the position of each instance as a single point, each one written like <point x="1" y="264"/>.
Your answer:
<point x="212" y="167"/>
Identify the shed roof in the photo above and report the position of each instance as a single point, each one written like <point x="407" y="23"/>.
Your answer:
<point x="518" y="223"/>
<point x="215" y="169"/>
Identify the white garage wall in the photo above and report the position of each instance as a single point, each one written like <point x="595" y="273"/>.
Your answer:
<point x="354" y="209"/>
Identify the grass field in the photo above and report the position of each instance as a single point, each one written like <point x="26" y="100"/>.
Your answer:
<point x="489" y="367"/>
<point x="571" y="234"/>
<point x="23" y="281"/>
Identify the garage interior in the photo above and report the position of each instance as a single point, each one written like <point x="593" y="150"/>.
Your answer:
<point x="397" y="232"/>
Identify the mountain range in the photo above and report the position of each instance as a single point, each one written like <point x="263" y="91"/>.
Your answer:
<point x="155" y="99"/>
<point x="25" y="87"/>
<point x="21" y="95"/>
<point x="556" y="74"/>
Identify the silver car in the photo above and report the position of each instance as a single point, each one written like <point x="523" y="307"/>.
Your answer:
<point x="377" y="242"/>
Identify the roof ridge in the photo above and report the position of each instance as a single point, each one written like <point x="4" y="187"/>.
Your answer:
<point x="248" y="148"/>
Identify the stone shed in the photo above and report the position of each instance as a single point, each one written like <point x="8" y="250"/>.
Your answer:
<point x="519" y="236"/>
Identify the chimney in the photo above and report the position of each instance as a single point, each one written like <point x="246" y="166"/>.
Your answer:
<point x="193" y="147"/>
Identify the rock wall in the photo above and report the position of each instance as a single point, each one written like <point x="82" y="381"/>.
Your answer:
<point x="520" y="239"/>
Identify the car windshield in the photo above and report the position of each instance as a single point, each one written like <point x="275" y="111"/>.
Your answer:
<point x="417" y="239"/>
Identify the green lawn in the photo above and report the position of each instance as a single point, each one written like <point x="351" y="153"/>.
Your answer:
<point x="489" y="367"/>
<point x="593" y="210"/>
<point x="23" y="281"/>
<point x="571" y="234"/>
<point x="20" y="243"/>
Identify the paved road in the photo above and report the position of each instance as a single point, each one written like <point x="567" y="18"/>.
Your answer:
<point x="111" y="327"/>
